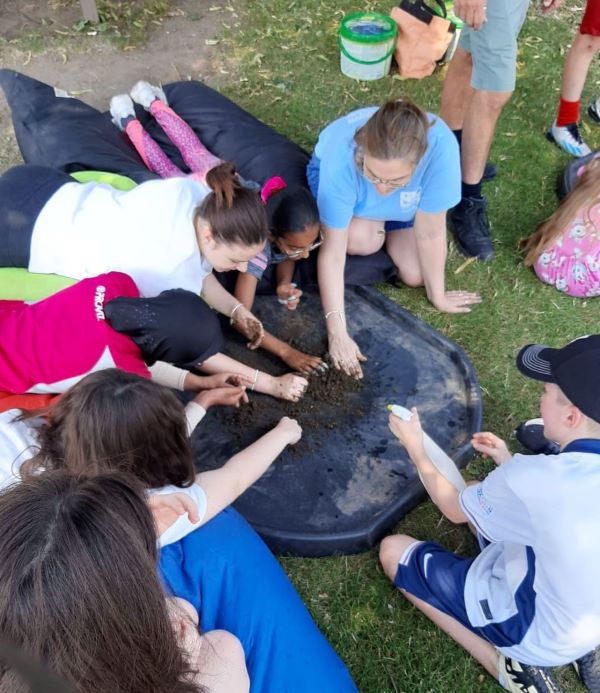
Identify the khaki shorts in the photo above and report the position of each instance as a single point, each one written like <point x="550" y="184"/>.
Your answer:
<point x="493" y="48"/>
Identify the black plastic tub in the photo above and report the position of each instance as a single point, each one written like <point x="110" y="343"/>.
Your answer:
<point x="349" y="481"/>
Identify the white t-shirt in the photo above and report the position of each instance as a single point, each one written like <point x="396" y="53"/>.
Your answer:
<point x="18" y="444"/>
<point x="86" y="229"/>
<point x="550" y="503"/>
<point x="182" y="526"/>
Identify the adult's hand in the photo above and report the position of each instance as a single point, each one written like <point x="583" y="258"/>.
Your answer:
<point x="457" y="302"/>
<point x="345" y="354"/>
<point x="472" y="12"/>
<point x="249" y="326"/>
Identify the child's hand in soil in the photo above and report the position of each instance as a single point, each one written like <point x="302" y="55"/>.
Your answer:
<point x="490" y="445"/>
<point x="409" y="433"/>
<point x="249" y="326"/>
<point x="291" y="428"/>
<point x="227" y="396"/>
<point x="289" y="295"/>
<point x="291" y="386"/>
<point x="299" y="361"/>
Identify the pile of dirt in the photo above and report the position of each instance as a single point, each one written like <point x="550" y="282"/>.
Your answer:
<point x="325" y="401"/>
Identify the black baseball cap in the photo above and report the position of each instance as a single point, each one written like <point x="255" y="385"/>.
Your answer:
<point x="575" y="369"/>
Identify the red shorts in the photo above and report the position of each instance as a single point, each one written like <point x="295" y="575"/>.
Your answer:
<point x="590" y="24"/>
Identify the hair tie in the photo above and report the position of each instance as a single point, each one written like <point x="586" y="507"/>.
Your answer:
<point x="272" y="186"/>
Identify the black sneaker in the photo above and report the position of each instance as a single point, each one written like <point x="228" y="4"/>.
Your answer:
<point x="524" y="678"/>
<point x="531" y="436"/>
<point x="588" y="668"/>
<point x="469" y="223"/>
<point x="594" y="110"/>
<point x="489" y="172"/>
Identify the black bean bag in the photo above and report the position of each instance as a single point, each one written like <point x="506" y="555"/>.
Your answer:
<point x="55" y="130"/>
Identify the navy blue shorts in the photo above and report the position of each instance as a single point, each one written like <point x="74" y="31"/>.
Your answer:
<point x="437" y="576"/>
<point x="398" y="225"/>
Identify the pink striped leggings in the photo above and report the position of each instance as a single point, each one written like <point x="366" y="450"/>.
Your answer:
<point x="195" y="155"/>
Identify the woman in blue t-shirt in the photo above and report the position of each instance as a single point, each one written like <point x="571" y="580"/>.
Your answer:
<point x="384" y="176"/>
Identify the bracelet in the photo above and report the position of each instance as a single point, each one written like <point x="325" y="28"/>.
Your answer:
<point x="334" y="312"/>
<point x="255" y="379"/>
<point x="231" y="320"/>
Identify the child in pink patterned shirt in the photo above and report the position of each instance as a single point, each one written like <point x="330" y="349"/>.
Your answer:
<point x="565" y="249"/>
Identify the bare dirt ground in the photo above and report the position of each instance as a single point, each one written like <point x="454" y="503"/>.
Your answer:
<point x="37" y="39"/>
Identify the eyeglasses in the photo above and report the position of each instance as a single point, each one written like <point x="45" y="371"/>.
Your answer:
<point x="390" y="182"/>
<point x="291" y="255"/>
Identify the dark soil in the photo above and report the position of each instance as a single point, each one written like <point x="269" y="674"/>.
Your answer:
<point x="325" y="401"/>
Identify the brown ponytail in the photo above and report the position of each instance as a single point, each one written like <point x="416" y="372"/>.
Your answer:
<point x="234" y="213"/>
<point x="397" y="130"/>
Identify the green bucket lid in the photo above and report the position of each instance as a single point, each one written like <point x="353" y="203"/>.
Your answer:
<point x="368" y="27"/>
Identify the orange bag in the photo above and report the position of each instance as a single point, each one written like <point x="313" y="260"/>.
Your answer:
<point x="423" y="37"/>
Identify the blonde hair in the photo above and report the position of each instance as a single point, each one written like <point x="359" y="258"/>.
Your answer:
<point x="397" y="130"/>
<point x="585" y="194"/>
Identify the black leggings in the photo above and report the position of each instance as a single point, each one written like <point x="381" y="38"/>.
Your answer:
<point x="24" y="190"/>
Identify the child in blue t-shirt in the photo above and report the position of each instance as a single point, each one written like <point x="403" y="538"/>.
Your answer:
<point x="531" y="598"/>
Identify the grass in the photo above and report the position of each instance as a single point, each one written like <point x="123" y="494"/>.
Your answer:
<point x="281" y="62"/>
<point x="284" y="62"/>
<point x="124" y="24"/>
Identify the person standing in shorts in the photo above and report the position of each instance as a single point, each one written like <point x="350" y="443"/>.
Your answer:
<point x="586" y="43"/>
<point x="479" y="83"/>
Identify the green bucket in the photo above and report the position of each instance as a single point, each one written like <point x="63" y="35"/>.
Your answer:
<point x="367" y="41"/>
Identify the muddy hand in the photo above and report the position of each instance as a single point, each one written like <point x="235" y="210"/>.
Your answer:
<point x="301" y="362"/>
<point x="345" y="355"/>
<point x="291" y="387"/>
<point x="250" y="326"/>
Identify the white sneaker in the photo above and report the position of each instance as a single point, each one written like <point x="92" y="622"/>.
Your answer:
<point x="569" y="139"/>
<point x="145" y="93"/>
<point x="523" y="678"/>
<point x="121" y="108"/>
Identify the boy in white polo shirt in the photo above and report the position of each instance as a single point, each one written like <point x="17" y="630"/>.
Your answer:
<point x="531" y="598"/>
